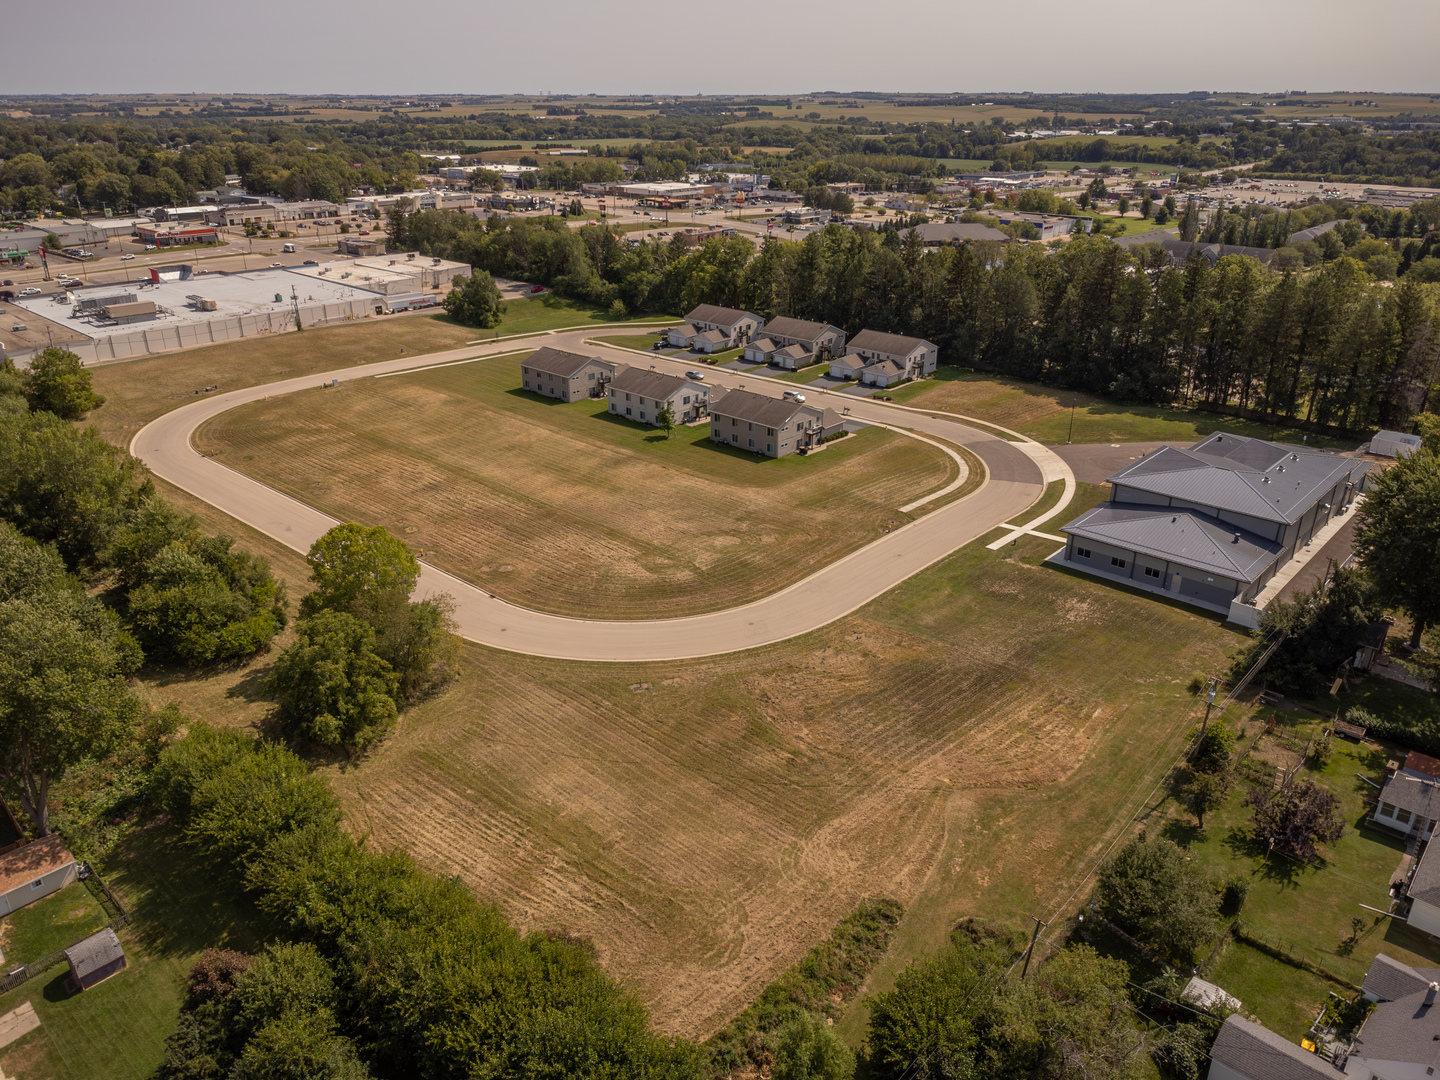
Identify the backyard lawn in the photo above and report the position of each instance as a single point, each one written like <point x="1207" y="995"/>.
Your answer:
<point x="1044" y="413"/>
<point x="123" y="1022"/>
<point x="565" y="507"/>
<point x="51" y="924"/>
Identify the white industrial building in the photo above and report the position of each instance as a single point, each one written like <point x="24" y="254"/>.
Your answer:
<point x="176" y="307"/>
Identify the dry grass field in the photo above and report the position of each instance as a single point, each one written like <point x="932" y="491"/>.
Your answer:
<point x="564" y="508"/>
<point x="958" y="745"/>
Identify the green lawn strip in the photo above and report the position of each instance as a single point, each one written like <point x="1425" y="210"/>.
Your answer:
<point x="1053" y="493"/>
<point x="50" y="924"/>
<point x="691" y="448"/>
<point x="550" y="312"/>
<point x="1305" y="911"/>
<point x="1127" y="226"/>
<point x="805" y="375"/>
<point x="178" y="912"/>
<point x="1284" y="997"/>
<point x="629" y="341"/>
<point x="1095" y="420"/>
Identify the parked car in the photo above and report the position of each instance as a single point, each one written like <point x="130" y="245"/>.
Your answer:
<point x="311" y="262"/>
<point x="7" y="282"/>
<point x="537" y="288"/>
<point x="660" y="344"/>
<point x="149" y="247"/>
<point x="698" y="376"/>
<point x="31" y="291"/>
<point x="276" y="264"/>
<point x="364" y="232"/>
<point x="126" y="257"/>
<point x="791" y="395"/>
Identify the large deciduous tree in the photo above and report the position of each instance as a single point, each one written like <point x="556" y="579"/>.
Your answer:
<point x="57" y="383"/>
<point x="474" y="300"/>
<point x="332" y="686"/>
<point x="1297" y="819"/>
<point x="353" y="565"/>
<point x="63" y="663"/>
<point x="1150" y="889"/>
<point x="1398" y="538"/>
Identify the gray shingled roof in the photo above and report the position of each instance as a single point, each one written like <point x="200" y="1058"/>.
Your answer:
<point x="1410" y="793"/>
<point x="756" y="408"/>
<point x="1182" y="249"/>
<point x="557" y="361"/>
<point x="650" y="384"/>
<point x="1244" y="476"/>
<point x="1187" y="537"/>
<point x="1405" y="1029"/>
<point x="889" y="367"/>
<point x="712" y="336"/>
<point x="797" y="351"/>
<point x="1257" y="1053"/>
<point x="723" y="316"/>
<point x="1425" y="882"/>
<point x="800" y="329"/>
<point x="1312" y="232"/>
<point x="764" y="344"/>
<point x="1389" y="980"/>
<point x="94" y="952"/>
<point x="895" y="344"/>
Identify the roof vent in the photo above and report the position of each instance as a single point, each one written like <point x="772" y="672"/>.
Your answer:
<point x="1430" y="993"/>
<point x="1294" y="457"/>
<point x="1236" y="540"/>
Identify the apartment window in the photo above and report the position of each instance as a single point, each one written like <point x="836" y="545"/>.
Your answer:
<point x="685" y="400"/>
<point x="1387" y="810"/>
<point x="627" y="398"/>
<point x="642" y="414"/>
<point x="733" y="421"/>
<point x="1151" y="571"/>
<point x="770" y="431"/>
<point x="627" y="410"/>
<point x="1083" y="553"/>
<point x="592" y="376"/>
<point x="524" y="371"/>
<point x="612" y="393"/>
<point x="752" y="443"/>
<point x="769" y="448"/>
<point x="1115" y="560"/>
<point x="527" y="384"/>
<point x="1403" y="816"/>
<point x="735" y="438"/>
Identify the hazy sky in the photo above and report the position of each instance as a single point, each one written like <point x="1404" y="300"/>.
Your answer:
<point x="744" y="46"/>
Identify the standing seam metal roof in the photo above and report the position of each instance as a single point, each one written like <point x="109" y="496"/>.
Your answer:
<point x="1178" y="535"/>
<point x="1244" y="476"/>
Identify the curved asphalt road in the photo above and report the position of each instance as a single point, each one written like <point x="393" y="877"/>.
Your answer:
<point x="1017" y="473"/>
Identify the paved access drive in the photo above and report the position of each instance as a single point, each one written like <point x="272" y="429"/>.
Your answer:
<point x="1017" y="474"/>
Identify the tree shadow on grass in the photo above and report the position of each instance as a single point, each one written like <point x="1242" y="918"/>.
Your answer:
<point x="1270" y="866"/>
<point x="1182" y="833"/>
<point x="252" y="687"/>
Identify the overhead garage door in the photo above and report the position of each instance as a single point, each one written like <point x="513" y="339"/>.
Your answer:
<point x="1203" y="590"/>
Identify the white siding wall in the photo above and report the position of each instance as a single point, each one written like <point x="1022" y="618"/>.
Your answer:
<point x="52" y="882"/>
<point x="1425" y="917"/>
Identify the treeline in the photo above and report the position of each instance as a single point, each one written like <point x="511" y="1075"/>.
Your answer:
<point x="1344" y="154"/>
<point x="1324" y="346"/>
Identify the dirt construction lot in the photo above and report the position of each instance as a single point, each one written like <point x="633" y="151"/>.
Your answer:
<point x="563" y="508"/>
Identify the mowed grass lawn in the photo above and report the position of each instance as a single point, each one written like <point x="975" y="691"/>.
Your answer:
<point x="56" y="922"/>
<point x="118" y="1028"/>
<point x="1043" y="412"/>
<point x="957" y="744"/>
<point x="563" y="507"/>
<point x="137" y="391"/>
<point x="1306" y="910"/>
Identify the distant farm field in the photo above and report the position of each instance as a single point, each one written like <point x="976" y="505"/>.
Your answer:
<point x="564" y="508"/>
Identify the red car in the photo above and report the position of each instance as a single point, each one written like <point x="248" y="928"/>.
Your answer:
<point x="537" y="288"/>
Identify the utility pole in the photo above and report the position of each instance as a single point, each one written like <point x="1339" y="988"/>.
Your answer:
<point x="1031" y="950"/>
<point x="1209" y="701"/>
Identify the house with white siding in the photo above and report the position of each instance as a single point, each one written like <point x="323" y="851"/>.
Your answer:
<point x="33" y="871"/>
<point x="816" y="341"/>
<point x="716" y="329"/>
<point x="877" y="359"/>
<point x="770" y="427"/>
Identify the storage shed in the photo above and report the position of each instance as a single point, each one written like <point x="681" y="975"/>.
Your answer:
<point x="94" y="960"/>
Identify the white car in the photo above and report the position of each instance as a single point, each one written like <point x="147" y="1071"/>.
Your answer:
<point x="149" y="247"/>
<point x="31" y="291"/>
<point x="126" y="257"/>
<point x="276" y="264"/>
<point x="698" y="376"/>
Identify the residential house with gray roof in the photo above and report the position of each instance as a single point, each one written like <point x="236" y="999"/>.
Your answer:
<point x="711" y="328"/>
<point x="1211" y="525"/>
<point x="1422" y="890"/>
<point x="1179" y="251"/>
<point x="565" y="375"/>
<point x="1245" y="1050"/>
<point x="1409" y="803"/>
<point x="818" y="341"/>
<point x="1400" y="1040"/>
<point x="771" y="427"/>
<point x="640" y="394"/>
<point x="879" y="359"/>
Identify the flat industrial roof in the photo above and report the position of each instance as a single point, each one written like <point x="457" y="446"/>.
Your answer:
<point x="243" y="293"/>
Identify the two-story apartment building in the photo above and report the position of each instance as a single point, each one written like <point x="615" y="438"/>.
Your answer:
<point x="713" y="329"/>
<point x="771" y="427"/>
<point x="1213" y="524"/>
<point x="640" y="394"/>
<point x="815" y="341"/>
<point x="565" y="375"/>
<point x="878" y="359"/>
